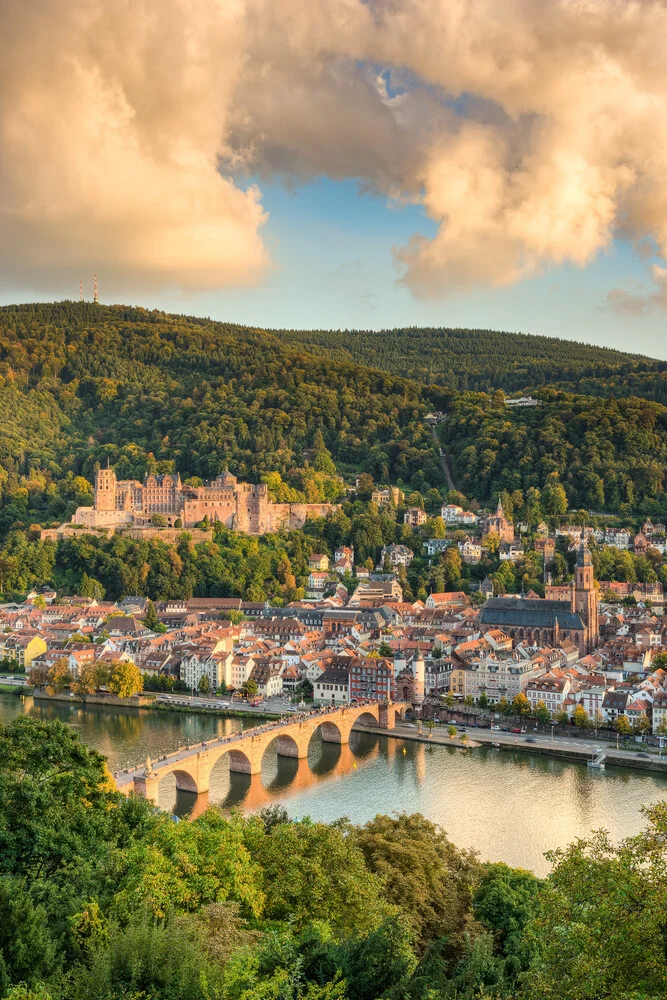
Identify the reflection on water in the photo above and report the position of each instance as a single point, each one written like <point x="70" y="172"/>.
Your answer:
<point x="510" y="806"/>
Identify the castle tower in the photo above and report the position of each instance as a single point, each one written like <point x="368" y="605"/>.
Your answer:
<point x="585" y="594"/>
<point x="419" y="674"/>
<point x="105" y="489"/>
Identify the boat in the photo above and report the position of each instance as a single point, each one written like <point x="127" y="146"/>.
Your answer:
<point x="598" y="765"/>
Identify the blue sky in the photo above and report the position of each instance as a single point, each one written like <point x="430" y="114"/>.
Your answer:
<point x="333" y="268"/>
<point x="331" y="247"/>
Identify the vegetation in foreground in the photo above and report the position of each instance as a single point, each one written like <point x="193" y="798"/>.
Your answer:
<point x="105" y="897"/>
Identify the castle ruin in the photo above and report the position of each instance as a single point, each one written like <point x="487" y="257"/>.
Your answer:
<point x="127" y="503"/>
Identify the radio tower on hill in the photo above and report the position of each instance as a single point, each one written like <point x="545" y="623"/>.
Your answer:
<point x="95" y="298"/>
<point x="81" y="291"/>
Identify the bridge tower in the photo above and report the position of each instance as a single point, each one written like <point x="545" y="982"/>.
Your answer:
<point x="419" y="678"/>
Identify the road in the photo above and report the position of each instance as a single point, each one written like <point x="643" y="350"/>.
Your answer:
<point x="443" y="460"/>
<point x="586" y="749"/>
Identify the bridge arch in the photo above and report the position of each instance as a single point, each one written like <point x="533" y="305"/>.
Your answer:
<point x="366" y="719"/>
<point x="239" y="761"/>
<point x="185" y="781"/>
<point x="330" y="732"/>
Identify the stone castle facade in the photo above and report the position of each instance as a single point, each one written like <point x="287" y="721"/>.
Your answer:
<point x="127" y="503"/>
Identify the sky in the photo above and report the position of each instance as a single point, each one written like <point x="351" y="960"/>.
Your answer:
<point x="359" y="163"/>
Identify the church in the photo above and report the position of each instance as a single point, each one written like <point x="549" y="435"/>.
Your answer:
<point x="546" y="622"/>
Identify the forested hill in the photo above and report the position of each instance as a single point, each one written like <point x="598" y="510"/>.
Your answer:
<point x="487" y="359"/>
<point x="608" y="454"/>
<point x="81" y="383"/>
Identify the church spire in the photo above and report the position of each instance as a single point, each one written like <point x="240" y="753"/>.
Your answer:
<point x="583" y="555"/>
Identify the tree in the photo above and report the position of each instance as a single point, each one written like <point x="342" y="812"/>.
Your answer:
<point x="451" y="731"/>
<point x="504" y="706"/>
<point x="125" y="679"/>
<point x="151" y="620"/>
<point x="204" y="684"/>
<point x="430" y="725"/>
<point x="250" y="688"/>
<point x="425" y="876"/>
<point x="589" y="946"/>
<point x="158" y="521"/>
<point x="58" y="677"/>
<point x="384" y="649"/>
<point x="38" y="676"/>
<point x="520" y="704"/>
<point x="580" y="717"/>
<point x="542" y="713"/>
<point x="483" y="701"/>
<point x="562" y="718"/>
<point x="55" y="800"/>
<point x="622" y="726"/>
<point x="87" y="680"/>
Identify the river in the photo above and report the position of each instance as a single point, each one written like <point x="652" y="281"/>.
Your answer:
<point x="508" y="806"/>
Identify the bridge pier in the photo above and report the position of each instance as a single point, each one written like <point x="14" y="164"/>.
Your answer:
<point x="332" y="732"/>
<point x="147" y="786"/>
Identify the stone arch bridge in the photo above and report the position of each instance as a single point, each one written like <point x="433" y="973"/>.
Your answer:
<point x="192" y="765"/>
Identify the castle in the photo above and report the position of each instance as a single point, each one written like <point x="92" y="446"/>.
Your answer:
<point x="127" y="503"/>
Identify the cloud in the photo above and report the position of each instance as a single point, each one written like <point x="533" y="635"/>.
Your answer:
<point x="532" y="132"/>
<point x="625" y="303"/>
<point x="111" y="121"/>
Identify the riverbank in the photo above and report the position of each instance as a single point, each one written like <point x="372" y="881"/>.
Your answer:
<point x="148" y="701"/>
<point x="220" y="712"/>
<point x="544" y="748"/>
<point x="15" y="688"/>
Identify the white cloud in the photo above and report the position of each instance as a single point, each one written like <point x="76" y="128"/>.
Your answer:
<point x="532" y="131"/>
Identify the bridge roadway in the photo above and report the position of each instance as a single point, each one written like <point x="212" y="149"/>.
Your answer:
<point x="192" y="765"/>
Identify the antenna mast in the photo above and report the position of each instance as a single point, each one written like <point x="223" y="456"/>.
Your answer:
<point x="81" y="291"/>
<point x="95" y="298"/>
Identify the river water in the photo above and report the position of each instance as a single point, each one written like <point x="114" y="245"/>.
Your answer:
<point x="509" y="806"/>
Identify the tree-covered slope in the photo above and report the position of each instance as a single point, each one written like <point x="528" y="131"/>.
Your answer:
<point x="81" y="383"/>
<point x="610" y="454"/>
<point x="488" y="359"/>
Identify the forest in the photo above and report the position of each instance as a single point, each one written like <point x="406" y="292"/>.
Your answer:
<point x="107" y="897"/>
<point x="488" y="359"/>
<point x="81" y="384"/>
<point x="609" y="455"/>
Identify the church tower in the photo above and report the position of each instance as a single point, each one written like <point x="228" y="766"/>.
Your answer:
<point x="105" y="489"/>
<point x="585" y="594"/>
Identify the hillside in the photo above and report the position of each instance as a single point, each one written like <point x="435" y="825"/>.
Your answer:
<point x="488" y="359"/>
<point x="81" y="384"/>
<point x="609" y="454"/>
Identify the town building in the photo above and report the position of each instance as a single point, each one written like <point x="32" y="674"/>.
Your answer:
<point x="415" y="517"/>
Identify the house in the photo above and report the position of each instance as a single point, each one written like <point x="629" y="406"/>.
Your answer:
<point x="317" y="583"/>
<point x="22" y="648"/>
<point x="386" y="495"/>
<point x="471" y="552"/>
<point x="614" y="704"/>
<point x="344" y="559"/>
<point x="415" y="517"/>
<point x="451" y="513"/>
<point x="376" y="593"/>
<point x="552" y="688"/>
<point x="660" y="712"/>
<point x="318" y="561"/>
<point x="332" y="687"/>
<point x="371" y="678"/>
<point x="510" y="551"/>
<point x="436" y="545"/>
<point x="398" y="555"/>
<point x="266" y="674"/>
<point x="441" y="600"/>
<point x="498" y="524"/>
<point x="216" y="666"/>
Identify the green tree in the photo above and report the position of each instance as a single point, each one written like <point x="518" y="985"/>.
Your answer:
<point x="204" y="685"/>
<point x="55" y="801"/>
<point x="151" y="620"/>
<point x="542" y="713"/>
